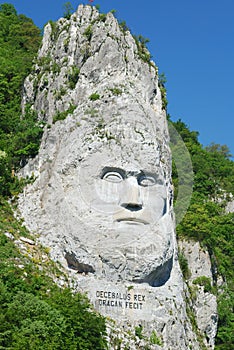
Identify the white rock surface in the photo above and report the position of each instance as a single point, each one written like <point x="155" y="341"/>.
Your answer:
<point x="230" y="207"/>
<point x="27" y="240"/>
<point x="204" y="304"/>
<point x="102" y="199"/>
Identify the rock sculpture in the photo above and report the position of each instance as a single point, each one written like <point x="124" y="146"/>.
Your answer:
<point x="102" y="198"/>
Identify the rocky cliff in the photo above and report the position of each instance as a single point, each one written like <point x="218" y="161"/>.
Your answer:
<point x="102" y="197"/>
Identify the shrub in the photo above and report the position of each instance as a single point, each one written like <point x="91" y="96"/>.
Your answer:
<point x="95" y="96"/>
<point x="138" y="332"/>
<point x="34" y="312"/>
<point x="73" y="76"/>
<point x="184" y="266"/>
<point x="205" y="282"/>
<point x="102" y="17"/>
<point x="88" y="32"/>
<point x="63" y="115"/>
<point x="143" y="52"/>
<point x="68" y="9"/>
<point x="116" y="91"/>
<point x="123" y="26"/>
<point x="154" y="339"/>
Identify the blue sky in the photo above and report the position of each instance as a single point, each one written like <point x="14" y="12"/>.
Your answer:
<point x="191" y="41"/>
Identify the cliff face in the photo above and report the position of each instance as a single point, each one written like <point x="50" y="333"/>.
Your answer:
<point x="102" y="198"/>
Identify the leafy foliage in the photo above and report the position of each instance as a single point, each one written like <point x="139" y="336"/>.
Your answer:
<point x="116" y="91"/>
<point x="19" y="137"/>
<point x="88" y="32"/>
<point x="73" y="76"/>
<point x="95" y="96"/>
<point x="34" y="312"/>
<point x="154" y="339"/>
<point x="205" y="282"/>
<point x="161" y="83"/>
<point x="224" y="339"/>
<point x="123" y="26"/>
<point x="138" y="332"/>
<point x="184" y="265"/>
<point x="143" y="52"/>
<point x="68" y="9"/>
<point x="207" y="221"/>
<point x="64" y="114"/>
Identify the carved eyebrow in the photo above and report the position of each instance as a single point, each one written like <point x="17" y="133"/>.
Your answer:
<point x="148" y="173"/>
<point x="109" y="169"/>
<point x="155" y="176"/>
<point x="134" y="173"/>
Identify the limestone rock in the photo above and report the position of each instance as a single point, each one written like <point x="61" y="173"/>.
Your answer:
<point x="204" y="303"/>
<point x="230" y="207"/>
<point x="27" y="240"/>
<point x="102" y="198"/>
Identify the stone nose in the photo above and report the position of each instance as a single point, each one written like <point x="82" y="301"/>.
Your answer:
<point x="131" y="197"/>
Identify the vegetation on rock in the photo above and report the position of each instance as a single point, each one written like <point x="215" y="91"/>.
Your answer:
<point x="208" y="222"/>
<point x="19" y="137"/>
<point x="35" y="312"/>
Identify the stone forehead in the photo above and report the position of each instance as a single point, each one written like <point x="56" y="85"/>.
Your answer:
<point x="132" y="157"/>
<point x="128" y="124"/>
<point x="127" y="140"/>
<point x="122" y="140"/>
<point x="133" y="134"/>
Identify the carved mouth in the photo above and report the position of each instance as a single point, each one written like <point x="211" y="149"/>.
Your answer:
<point x="132" y="221"/>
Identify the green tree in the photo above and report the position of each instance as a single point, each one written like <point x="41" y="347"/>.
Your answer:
<point x="19" y="137"/>
<point x="68" y="9"/>
<point x="34" y="312"/>
<point x="8" y="9"/>
<point x="207" y="221"/>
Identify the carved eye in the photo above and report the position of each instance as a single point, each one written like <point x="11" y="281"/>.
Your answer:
<point x="146" y="181"/>
<point x="113" y="176"/>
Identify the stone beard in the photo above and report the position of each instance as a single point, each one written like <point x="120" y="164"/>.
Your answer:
<point x="115" y="209"/>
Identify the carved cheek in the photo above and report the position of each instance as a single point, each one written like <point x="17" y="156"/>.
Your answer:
<point x="108" y="192"/>
<point x="158" y="200"/>
<point x="159" y="207"/>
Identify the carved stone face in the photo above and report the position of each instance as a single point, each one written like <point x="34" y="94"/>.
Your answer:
<point x="119" y="197"/>
<point x="123" y="192"/>
<point x="138" y="195"/>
